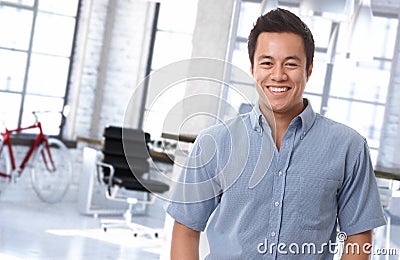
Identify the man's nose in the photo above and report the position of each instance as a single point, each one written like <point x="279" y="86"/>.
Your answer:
<point x="278" y="74"/>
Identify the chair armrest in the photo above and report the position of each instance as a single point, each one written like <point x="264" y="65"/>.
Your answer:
<point x="100" y="175"/>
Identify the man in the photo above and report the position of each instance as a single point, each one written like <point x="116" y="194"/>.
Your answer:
<point x="317" y="178"/>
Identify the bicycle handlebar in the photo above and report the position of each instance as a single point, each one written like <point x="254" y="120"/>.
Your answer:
<point x="35" y="113"/>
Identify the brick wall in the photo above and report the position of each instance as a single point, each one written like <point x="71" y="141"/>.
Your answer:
<point x="122" y="48"/>
<point x="120" y="71"/>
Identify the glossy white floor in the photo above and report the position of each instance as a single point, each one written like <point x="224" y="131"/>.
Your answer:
<point x="46" y="232"/>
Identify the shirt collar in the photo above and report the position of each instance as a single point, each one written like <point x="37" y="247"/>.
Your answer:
<point x="307" y="118"/>
<point x="256" y="118"/>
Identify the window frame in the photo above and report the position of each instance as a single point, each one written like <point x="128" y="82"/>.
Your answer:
<point x="24" y="92"/>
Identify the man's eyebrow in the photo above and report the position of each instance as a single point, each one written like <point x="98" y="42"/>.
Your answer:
<point x="262" y="57"/>
<point x="294" y="57"/>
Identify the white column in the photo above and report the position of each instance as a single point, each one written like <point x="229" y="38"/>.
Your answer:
<point x="390" y="134"/>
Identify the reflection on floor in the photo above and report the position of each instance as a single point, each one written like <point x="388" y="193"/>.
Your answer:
<point x="51" y="232"/>
<point x="42" y="231"/>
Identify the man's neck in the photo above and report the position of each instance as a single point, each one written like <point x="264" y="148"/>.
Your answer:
<point x="280" y="121"/>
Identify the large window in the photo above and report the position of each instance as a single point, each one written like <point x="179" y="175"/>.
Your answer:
<point x="36" y="41"/>
<point x="351" y="91"/>
<point x="173" y="42"/>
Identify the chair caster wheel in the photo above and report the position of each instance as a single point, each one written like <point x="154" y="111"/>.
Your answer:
<point x="135" y="234"/>
<point x="156" y="235"/>
<point x="105" y="229"/>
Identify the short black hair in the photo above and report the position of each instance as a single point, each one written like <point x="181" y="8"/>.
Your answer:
<point x="281" y="20"/>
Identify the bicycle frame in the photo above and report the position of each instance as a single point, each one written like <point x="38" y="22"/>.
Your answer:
<point x="39" y="139"/>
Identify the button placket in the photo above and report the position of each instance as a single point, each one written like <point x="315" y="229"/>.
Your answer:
<point x="279" y="184"/>
<point x="276" y="213"/>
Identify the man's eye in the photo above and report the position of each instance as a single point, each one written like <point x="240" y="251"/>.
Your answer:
<point x="267" y="63"/>
<point x="291" y="64"/>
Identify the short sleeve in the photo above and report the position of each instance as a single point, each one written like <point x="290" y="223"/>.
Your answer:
<point x="359" y="205"/>
<point x="198" y="192"/>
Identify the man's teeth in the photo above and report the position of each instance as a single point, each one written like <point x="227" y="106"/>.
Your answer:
<point x="278" y="89"/>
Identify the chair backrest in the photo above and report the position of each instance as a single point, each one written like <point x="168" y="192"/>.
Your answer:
<point x="126" y="149"/>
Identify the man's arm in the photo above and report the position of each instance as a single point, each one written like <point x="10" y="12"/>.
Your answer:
<point x="357" y="247"/>
<point x="185" y="243"/>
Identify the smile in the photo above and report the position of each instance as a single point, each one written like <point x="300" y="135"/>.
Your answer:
<point x="278" y="89"/>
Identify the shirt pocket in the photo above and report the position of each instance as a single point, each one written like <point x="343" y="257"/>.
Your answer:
<point x="318" y="202"/>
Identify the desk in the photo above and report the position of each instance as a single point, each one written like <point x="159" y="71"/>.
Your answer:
<point x="91" y="194"/>
<point x="184" y="137"/>
<point x="162" y="157"/>
<point x="387" y="173"/>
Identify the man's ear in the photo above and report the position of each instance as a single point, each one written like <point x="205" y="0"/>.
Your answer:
<point x="309" y="71"/>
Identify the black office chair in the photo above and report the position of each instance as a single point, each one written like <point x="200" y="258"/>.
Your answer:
<point x="124" y="166"/>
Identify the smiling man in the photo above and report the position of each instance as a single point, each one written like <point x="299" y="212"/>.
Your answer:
<point x="280" y="70"/>
<point x="317" y="179"/>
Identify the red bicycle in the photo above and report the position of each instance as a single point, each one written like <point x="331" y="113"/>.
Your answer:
<point x="47" y="158"/>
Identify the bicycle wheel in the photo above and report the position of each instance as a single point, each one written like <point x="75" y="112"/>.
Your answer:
<point x="5" y="167"/>
<point x="51" y="183"/>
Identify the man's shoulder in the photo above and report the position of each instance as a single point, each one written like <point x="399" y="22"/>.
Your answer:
<point x="238" y="125"/>
<point x="335" y="129"/>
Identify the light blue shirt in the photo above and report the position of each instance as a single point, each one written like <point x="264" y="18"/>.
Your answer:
<point x="279" y="205"/>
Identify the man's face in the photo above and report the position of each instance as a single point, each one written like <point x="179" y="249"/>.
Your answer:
<point x="280" y="71"/>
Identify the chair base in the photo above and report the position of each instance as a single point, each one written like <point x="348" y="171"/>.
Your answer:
<point x="126" y="222"/>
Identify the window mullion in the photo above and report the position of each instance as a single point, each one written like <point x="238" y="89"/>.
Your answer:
<point x="28" y="60"/>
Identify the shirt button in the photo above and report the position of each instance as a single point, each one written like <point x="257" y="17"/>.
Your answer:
<point x="280" y="173"/>
<point x="276" y="203"/>
<point x="273" y="234"/>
